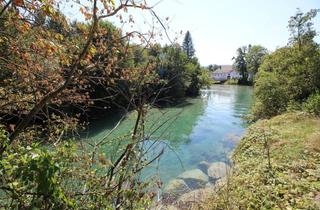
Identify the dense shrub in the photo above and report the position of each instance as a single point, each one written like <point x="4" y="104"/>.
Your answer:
<point x="67" y="176"/>
<point x="270" y="96"/>
<point x="312" y="104"/>
<point x="287" y="76"/>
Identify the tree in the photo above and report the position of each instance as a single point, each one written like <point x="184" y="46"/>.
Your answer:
<point x="254" y="57"/>
<point x="61" y="66"/>
<point x="240" y="64"/>
<point x="248" y="61"/>
<point x="187" y="45"/>
<point x="183" y="75"/>
<point x="194" y="71"/>
<point x="213" y="67"/>
<point x="301" y="27"/>
<point x="290" y="76"/>
<point x="44" y="72"/>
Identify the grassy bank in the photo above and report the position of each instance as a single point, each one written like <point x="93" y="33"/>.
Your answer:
<point x="276" y="166"/>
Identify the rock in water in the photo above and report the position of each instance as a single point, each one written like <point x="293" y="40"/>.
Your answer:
<point x="197" y="196"/>
<point x="194" y="178"/>
<point x="176" y="187"/>
<point x="217" y="170"/>
<point x="203" y="166"/>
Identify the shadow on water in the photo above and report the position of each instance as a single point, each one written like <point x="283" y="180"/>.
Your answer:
<point x="171" y="124"/>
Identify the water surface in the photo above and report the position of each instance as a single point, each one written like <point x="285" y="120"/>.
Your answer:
<point x="205" y="128"/>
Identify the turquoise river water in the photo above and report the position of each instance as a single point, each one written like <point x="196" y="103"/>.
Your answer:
<point x="206" y="128"/>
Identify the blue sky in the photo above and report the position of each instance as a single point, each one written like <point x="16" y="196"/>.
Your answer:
<point x="219" y="27"/>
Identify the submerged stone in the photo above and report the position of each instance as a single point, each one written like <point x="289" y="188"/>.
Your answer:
<point x="177" y="187"/>
<point x="218" y="170"/>
<point x="194" y="178"/>
<point x="196" y="196"/>
<point x="203" y="166"/>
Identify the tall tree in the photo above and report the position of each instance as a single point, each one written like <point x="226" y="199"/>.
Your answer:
<point x="301" y="27"/>
<point x="213" y="67"/>
<point x="187" y="45"/>
<point x="240" y="64"/>
<point x="255" y="57"/>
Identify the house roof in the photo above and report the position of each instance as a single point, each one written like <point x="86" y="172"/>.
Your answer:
<point x="224" y="69"/>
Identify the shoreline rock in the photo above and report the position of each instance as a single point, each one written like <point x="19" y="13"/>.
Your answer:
<point x="194" y="178"/>
<point x="218" y="170"/>
<point x="203" y="166"/>
<point x="194" y="186"/>
<point x="177" y="187"/>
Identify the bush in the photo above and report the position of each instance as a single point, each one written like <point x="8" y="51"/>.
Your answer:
<point x="232" y="82"/>
<point x="67" y="176"/>
<point x="270" y="96"/>
<point x="312" y="105"/>
<point x="286" y="79"/>
<point x="205" y="79"/>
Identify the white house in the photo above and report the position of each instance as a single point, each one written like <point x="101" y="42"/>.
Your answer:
<point x="225" y="72"/>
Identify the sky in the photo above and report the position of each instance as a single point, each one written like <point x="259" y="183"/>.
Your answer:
<point x="219" y="27"/>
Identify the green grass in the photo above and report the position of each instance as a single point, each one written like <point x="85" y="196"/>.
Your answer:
<point x="292" y="182"/>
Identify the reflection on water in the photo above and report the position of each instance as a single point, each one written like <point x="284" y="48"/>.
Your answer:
<point x="206" y="128"/>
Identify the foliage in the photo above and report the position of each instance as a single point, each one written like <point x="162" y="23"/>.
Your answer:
<point x="79" y="68"/>
<point x="312" y="105"/>
<point x="51" y="71"/>
<point x="301" y="27"/>
<point x="54" y="74"/>
<point x="290" y="181"/>
<point x="187" y="45"/>
<point x="205" y="78"/>
<point x="291" y="74"/>
<point x="240" y="64"/>
<point x="271" y="97"/>
<point x="183" y="74"/>
<point x="254" y="57"/>
<point x="213" y="67"/>
<point x="65" y="177"/>
<point x="276" y="163"/>
<point x="31" y="178"/>
<point x="232" y="82"/>
<point x="248" y="61"/>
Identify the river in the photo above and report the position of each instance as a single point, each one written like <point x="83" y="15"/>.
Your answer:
<point x="206" y="128"/>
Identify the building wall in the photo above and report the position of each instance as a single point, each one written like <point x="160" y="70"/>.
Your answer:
<point x="235" y="75"/>
<point x="225" y="76"/>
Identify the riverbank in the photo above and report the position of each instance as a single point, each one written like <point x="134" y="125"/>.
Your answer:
<point x="276" y="166"/>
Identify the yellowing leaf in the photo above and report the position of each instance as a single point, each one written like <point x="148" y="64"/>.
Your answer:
<point x="18" y="2"/>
